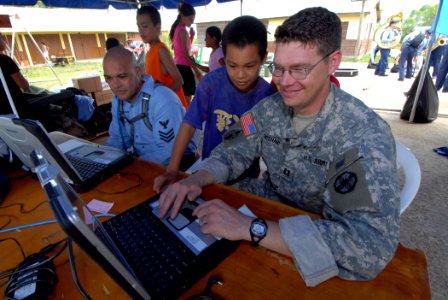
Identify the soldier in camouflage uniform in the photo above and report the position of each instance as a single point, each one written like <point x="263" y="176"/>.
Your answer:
<point x="325" y="152"/>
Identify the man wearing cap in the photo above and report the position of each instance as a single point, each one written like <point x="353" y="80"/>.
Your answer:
<point x="388" y="36"/>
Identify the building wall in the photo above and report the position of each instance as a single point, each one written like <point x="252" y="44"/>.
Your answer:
<point x="86" y="46"/>
<point x="83" y="46"/>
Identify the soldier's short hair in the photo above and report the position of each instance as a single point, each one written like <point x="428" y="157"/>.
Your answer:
<point x="315" y="26"/>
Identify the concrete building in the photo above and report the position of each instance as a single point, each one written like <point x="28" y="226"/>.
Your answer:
<point x="81" y="34"/>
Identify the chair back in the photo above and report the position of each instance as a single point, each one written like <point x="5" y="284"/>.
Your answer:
<point x="408" y="163"/>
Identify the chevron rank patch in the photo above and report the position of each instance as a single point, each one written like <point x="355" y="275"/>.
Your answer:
<point x="247" y="124"/>
<point x="168" y="134"/>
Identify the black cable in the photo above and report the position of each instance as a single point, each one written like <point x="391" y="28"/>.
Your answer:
<point x="34" y="277"/>
<point x="206" y="295"/>
<point x="7" y="222"/>
<point x="47" y="248"/>
<point x="20" y="176"/>
<point x="21" y="205"/>
<point x="71" y="258"/>
<point x="18" y="244"/>
<point x="138" y="184"/>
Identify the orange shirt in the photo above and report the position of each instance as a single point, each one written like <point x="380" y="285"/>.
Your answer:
<point x="153" y="67"/>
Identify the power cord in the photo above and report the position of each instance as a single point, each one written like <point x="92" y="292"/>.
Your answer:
<point x="71" y="258"/>
<point x="22" y="207"/>
<point x="34" y="278"/>
<point x="206" y="293"/>
<point x="137" y="184"/>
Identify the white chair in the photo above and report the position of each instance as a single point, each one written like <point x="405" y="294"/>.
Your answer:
<point x="407" y="162"/>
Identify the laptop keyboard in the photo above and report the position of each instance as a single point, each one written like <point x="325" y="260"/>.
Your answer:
<point x="153" y="251"/>
<point x="85" y="168"/>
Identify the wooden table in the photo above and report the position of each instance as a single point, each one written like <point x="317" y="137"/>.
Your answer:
<point x="249" y="273"/>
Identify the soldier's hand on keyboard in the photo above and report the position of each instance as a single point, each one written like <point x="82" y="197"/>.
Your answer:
<point x="219" y="219"/>
<point x="176" y="193"/>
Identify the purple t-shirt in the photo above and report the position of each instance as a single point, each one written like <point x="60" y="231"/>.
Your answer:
<point x="220" y="105"/>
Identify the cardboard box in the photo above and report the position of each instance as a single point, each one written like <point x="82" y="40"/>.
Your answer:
<point x="89" y="84"/>
<point x="103" y="97"/>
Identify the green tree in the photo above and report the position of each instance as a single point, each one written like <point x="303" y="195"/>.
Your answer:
<point x="419" y="18"/>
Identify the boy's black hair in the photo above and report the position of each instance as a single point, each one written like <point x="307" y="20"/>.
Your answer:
<point x="243" y="31"/>
<point x="152" y="12"/>
<point x="214" y="32"/>
<point x="184" y="9"/>
<point x="112" y="42"/>
<point x="315" y="26"/>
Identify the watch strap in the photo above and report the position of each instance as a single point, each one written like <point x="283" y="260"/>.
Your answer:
<point x="256" y="239"/>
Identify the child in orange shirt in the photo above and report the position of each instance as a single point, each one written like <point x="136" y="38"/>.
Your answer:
<point x="159" y="62"/>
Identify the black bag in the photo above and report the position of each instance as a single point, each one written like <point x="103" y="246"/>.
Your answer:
<point x="427" y="106"/>
<point x="59" y="112"/>
<point x="417" y="40"/>
<point x="395" y="68"/>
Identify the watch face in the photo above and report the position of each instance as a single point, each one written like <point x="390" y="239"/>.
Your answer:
<point x="258" y="229"/>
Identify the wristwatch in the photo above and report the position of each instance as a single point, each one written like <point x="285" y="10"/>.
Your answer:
<point x="258" y="230"/>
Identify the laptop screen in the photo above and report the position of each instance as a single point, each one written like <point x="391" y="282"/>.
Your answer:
<point x="80" y="224"/>
<point x="81" y="163"/>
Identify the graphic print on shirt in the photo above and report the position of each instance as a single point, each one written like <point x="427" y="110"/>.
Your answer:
<point x="166" y="135"/>
<point x="224" y="120"/>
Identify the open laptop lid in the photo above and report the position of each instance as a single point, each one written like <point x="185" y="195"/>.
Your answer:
<point x="23" y="136"/>
<point x="72" y="213"/>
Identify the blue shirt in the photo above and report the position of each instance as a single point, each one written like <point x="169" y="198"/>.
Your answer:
<point x="408" y="38"/>
<point x="219" y="104"/>
<point x="165" y="113"/>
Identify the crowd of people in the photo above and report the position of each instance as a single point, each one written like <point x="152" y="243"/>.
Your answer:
<point x="326" y="152"/>
<point x="414" y="46"/>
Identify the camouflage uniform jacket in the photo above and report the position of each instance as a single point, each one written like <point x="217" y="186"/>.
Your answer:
<point x="342" y="166"/>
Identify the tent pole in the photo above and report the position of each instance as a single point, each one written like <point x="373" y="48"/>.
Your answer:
<point x="8" y="94"/>
<point x="40" y="51"/>
<point x="425" y="66"/>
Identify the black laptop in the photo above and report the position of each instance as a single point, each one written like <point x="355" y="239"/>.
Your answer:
<point x="82" y="164"/>
<point x="151" y="258"/>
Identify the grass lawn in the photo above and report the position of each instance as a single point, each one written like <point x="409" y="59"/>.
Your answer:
<point x="43" y="77"/>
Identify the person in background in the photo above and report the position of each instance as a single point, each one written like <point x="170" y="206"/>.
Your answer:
<point x="326" y="152"/>
<point x="442" y="75"/>
<point x="181" y="40"/>
<point x="213" y="40"/>
<point x="436" y="56"/>
<point x="45" y="51"/>
<point x="409" y="50"/>
<point x="372" y="64"/>
<point x="15" y="82"/>
<point x="112" y="42"/>
<point x="159" y="62"/>
<point x="388" y="36"/>
<point x="224" y="95"/>
<point x="145" y="117"/>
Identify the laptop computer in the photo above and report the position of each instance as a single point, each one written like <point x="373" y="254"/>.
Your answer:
<point x="82" y="164"/>
<point x="149" y="257"/>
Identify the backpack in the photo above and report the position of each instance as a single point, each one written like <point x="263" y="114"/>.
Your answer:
<point x="417" y="40"/>
<point x="144" y="115"/>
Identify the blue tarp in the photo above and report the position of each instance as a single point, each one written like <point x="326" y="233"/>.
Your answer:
<point x="104" y="4"/>
<point x="442" y="24"/>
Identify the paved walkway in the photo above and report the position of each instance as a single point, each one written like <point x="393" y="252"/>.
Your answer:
<point x="382" y="92"/>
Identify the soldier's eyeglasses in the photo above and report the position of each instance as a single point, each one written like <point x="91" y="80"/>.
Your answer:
<point x="298" y="73"/>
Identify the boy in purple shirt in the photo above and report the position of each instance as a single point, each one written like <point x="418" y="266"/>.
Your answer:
<point x="224" y="95"/>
